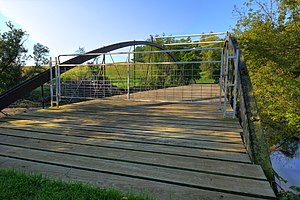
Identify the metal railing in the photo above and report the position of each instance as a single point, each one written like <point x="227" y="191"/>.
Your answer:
<point x="242" y="97"/>
<point x="163" y="79"/>
<point x="157" y="81"/>
<point x="171" y="80"/>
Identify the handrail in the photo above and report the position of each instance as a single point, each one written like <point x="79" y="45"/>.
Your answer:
<point x="247" y="111"/>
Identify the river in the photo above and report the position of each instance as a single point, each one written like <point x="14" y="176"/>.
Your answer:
<point x="287" y="165"/>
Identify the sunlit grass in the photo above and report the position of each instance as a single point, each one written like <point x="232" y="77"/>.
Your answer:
<point x="118" y="74"/>
<point x="20" y="185"/>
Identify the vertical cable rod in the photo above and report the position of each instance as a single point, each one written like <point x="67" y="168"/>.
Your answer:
<point x="226" y="82"/>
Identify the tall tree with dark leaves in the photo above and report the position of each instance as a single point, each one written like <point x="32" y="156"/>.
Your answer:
<point x="12" y="56"/>
<point x="40" y="57"/>
<point x="40" y="54"/>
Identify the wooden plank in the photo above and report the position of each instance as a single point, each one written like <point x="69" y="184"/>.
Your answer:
<point x="186" y="116"/>
<point x="148" y="112"/>
<point x="112" y="126"/>
<point x="115" y="132"/>
<point x="156" y="159"/>
<point x="180" y="145"/>
<point x="141" y="103"/>
<point x="152" y="107"/>
<point x="67" y="137"/>
<point x="145" y="104"/>
<point x="149" y="120"/>
<point x="199" y="180"/>
<point x="22" y="165"/>
<point x="95" y="133"/>
<point x="155" y="106"/>
<point x="155" y="128"/>
<point x="132" y="125"/>
<point x="142" y="110"/>
<point x="159" y="190"/>
<point x="119" y="104"/>
<point x="173" y="95"/>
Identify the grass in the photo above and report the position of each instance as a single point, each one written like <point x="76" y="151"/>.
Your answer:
<point x="20" y="185"/>
<point x="113" y="72"/>
<point x="118" y="75"/>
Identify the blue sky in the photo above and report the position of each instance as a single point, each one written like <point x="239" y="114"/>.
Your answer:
<point x="64" y="25"/>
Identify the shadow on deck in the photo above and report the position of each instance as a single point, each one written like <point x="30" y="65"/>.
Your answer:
<point x="182" y="150"/>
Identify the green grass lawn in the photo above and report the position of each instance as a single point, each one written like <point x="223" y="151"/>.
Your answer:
<point x="118" y="75"/>
<point x="19" y="185"/>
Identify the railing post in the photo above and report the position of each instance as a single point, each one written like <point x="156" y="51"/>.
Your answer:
<point x="221" y="79"/>
<point x="51" y="82"/>
<point x="236" y="68"/>
<point x="59" y="81"/>
<point x="57" y="85"/>
<point x="128" y="77"/>
<point x="43" y="97"/>
<point x="134" y="73"/>
<point x="104" y="77"/>
<point x="226" y="81"/>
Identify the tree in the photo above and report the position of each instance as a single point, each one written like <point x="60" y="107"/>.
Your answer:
<point x="40" y="54"/>
<point x="12" y="56"/>
<point x="212" y="69"/>
<point x="94" y="72"/>
<point x="80" y="50"/>
<point x="163" y="75"/>
<point x="269" y="37"/>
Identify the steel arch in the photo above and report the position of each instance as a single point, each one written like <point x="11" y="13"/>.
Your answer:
<point x="20" y="90"/>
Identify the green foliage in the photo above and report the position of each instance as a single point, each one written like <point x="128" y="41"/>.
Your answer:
<point x="184" y="73"/>
<point x="289" y="195"/>
<point x="26" y="71"/>
<point x="19" y="185"/>
<point x="269" y="38"/>
<point x="12" y="56"/>
<point x="40" y="54"/>
<point x="150" y="76"/>
<point x="205" y="77"/>
<point x="213" y="69"/>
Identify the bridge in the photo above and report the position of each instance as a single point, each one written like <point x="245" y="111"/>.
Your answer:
<point x="173" y="138"/>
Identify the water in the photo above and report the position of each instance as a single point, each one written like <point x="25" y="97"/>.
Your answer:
<point x="287" y="164"/>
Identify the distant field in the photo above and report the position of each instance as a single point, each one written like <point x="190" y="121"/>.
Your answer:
<point x="117" y="74"/>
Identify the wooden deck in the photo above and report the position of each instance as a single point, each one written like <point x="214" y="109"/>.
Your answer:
<point x="177" y="150"/>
